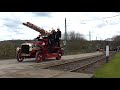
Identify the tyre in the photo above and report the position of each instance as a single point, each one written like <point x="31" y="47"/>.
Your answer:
<point x="39" y="56"/>
<point x="58" y="57"/>
<point x="19" y="57"/>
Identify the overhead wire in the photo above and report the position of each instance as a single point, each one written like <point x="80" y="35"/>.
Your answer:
<point x="102" y="18"/>
<point x="76" y="20"/>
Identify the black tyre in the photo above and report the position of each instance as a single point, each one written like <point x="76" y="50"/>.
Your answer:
<point x="19" y="57"/>
<point x="58" y="57"/>
<point x="39" y="56"/>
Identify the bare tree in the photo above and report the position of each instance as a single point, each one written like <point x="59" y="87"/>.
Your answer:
<point x="75" y="36"/>
<point x="72" y="35"/>
<point x="116" y="38"/>
<point x="79" y="36"/>
<point x="116" y="41"/>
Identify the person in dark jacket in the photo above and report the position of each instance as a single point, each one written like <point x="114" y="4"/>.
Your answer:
<point x="58" y="36"/>
<point x="50" y="41"/>
<point x="54" y="37"/>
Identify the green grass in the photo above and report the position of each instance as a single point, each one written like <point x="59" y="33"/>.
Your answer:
<point x="109" y="70"/>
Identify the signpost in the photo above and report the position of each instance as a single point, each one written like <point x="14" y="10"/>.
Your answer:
<point x="64" y="43"/>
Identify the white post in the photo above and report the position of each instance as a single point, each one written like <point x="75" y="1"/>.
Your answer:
<point x="107" y="53"/>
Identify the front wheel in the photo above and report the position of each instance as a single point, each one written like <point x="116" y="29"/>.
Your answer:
<point x="58" y="57"/>
<point x="19" y="57"/>
<point x="39" y="56"/>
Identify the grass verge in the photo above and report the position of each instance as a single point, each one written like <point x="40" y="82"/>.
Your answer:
<point x="109" y="70"/>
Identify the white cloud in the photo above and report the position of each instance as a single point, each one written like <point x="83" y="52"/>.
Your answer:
<point x="81" y="22"/>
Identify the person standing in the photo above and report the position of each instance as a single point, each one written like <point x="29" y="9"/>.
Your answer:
<point x="54" y="37"/>
<point x="50" y="41"/>
<point x="58" y="36"/>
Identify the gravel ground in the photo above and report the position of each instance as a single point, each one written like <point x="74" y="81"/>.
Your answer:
<point x="10" y="68"/>
<point x="70" y="66"/>
<point x="89" y="69"/>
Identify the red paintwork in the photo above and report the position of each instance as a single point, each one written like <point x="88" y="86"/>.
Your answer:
<point x="51" y="55"/>
<point x="45" y="51"/>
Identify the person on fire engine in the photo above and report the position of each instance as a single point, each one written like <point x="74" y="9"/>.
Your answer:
<point x="39" y="38"/>
<point x="54" y="36"/>
<point x="50" y="41"/>
<point x="58" y="36"/>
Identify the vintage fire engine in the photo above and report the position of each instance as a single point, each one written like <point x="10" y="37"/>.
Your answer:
<point x="38" y="48"/>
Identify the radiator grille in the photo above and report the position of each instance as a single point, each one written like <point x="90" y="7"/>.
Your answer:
<point x="25" y="49"/>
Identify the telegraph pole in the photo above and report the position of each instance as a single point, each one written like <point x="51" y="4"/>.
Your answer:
<point x="90" y="45"/>
<point x="89" y="36"/>
<point x="65" y="41"/>
<point x="65" y="31"/>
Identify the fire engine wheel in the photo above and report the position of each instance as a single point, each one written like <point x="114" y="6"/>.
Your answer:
<point x="19" y="57"/>
<point x="58" y="57"/>
<point x="39" y="57"/>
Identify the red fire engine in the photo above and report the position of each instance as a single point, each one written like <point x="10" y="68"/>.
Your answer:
<point x="38" y="49"/>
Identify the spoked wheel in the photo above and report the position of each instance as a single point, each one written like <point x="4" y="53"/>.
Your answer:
<point x="39" y="57"/>
<point x="58" y="57"/>
<point x="19" y="57"/>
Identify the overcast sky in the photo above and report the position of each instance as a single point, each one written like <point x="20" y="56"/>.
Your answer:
<point x="101" y="24"/>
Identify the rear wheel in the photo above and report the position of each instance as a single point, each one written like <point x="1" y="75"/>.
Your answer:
<point x="39" y="56"/>
<point x="58" y="57"/>
<point x="19" y="57"/>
